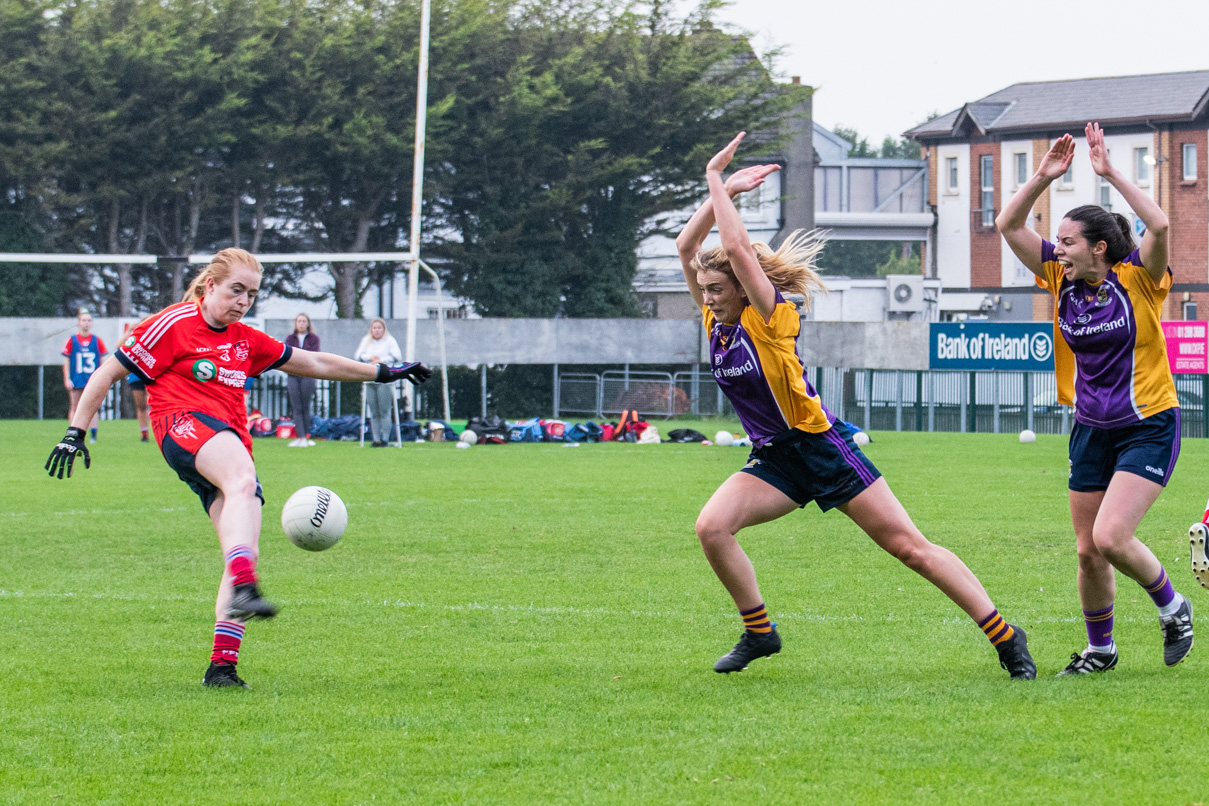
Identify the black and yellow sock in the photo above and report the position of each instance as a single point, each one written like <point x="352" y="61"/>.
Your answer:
<point x="756" y="619"/>
<point x="996" y="628"/>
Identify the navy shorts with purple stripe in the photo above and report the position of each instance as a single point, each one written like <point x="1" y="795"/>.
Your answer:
<point x="826" y="468"/>
<point x="1148" y="449"/>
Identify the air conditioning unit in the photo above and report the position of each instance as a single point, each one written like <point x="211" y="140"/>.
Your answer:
<point x="905" y="292"/>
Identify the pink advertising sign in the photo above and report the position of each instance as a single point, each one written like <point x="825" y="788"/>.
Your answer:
<point x="1187" y="347"/>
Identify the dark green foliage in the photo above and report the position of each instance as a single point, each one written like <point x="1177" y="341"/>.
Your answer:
<point x="556" y="135"/>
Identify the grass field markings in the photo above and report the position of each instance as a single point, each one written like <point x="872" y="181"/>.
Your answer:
<point x="69" y="512"/>
<point x="788" y="615"/>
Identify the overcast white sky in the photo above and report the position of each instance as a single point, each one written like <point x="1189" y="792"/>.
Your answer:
<point x="881" y="67"/>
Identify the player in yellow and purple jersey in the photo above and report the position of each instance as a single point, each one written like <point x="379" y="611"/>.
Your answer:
<point x="801" y="452"/>
<point x="1110" y="360"/>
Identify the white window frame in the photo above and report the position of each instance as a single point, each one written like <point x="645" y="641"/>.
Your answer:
<point x="1189" y="154"/>
<point x="952" y="176"/>
<point x="1067" y="180"/>
<point x="986" y="169"/>
<point x="1020" y="168"/>
<point x="1141" y="168"/>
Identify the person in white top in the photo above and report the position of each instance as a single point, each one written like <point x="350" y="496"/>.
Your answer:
<point x="379" y="346"/>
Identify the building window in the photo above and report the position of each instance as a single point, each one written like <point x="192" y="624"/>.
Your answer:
<point x="1021" y="169"/>
<point x="951" y="173"/>
<point x="986" y="197"/>
<point x="1141" y="165"/>
<point x="1189" y="311"/>
<point x="1105" y="199"/>
<point x="1189" y="162"/>
<point x="1068" y="179"/>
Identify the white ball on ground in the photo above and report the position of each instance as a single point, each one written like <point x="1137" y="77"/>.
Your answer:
<point x="860" y="438"/>
<point x="1027" y="436"/>
<point x="724" y="438"/>
<point x="468" y="437"/>
<point x="463" y="444"/>
<point x="314" y="518"/>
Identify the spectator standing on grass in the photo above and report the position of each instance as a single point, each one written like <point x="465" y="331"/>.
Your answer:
<point x="379" y="346"/>
<point x="82" y="355"/>
<point x="801" y="452"/>
<point x="302" y="390"/>
<point x="1110" y="357"/>
<point x="194" y="357"/>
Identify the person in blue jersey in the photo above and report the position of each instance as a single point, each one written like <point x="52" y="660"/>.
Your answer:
<point x="82" y="355"/>
<point x="801" y="452"/>
<point x="1110" y="361"/>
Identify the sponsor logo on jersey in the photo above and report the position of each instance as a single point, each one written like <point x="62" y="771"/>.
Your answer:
<point x="1101" y="297"/>
<point x="732" y="372"/>
<point x="232" y="377"/>
<point x="204" y="370"/>
<point x="140" y="353"/>
<point x="184" y="428"/>
<point x="130" y="341"/>
<point x="242" y="350"/>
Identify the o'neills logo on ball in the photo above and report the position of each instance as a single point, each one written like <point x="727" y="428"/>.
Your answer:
<point x="323" y="498"/>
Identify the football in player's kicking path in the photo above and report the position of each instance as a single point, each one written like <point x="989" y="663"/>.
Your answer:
<point x="1111" y="365"/>
<point x="195" y="357"/>
<point x="801" y="452"/>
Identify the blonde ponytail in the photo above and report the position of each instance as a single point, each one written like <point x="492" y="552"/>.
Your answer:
<point x="791" y="268"/>
<point x="220" y="269"/>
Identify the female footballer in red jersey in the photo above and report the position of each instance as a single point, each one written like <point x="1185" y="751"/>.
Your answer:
<point x="801" y="453"/>
<point x="195" y="357"/>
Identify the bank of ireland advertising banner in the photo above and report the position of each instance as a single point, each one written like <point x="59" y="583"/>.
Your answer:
<point x="1025" y="346"/>
<point x="1186" y="347"/>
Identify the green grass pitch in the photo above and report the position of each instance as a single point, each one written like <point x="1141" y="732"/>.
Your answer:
<point x="537" y="624"/>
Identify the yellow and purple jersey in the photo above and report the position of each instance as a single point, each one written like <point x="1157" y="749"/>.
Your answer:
<point x="1111" y="358"/>
<point x="756" y="365"/>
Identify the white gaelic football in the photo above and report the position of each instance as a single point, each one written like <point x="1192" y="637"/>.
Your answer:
<point x="724" y="438"/>
<point x="860" y="438"/>
<point x="468" y="436"/>
<point x="314" y="518"/>
<point x="1027" y="436"/>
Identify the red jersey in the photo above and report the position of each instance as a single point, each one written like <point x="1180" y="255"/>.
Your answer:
<point x="190" y="366"/>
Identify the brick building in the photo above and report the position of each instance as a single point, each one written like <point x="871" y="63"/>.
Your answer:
<point x="978" y="156"/>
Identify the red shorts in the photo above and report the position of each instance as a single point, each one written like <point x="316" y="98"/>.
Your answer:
<point x="183" y="435"/>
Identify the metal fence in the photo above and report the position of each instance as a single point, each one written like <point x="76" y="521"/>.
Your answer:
<point x="879" y="400"/>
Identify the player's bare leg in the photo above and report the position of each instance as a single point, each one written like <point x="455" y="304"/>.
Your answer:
<point x="225" y="463"/>
<point x="879" y="513"/>
<point x="742" y="500"/>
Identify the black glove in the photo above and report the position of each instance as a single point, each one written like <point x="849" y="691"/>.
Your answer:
<point x="414" y="372"/>
<point x="64" y="454"/>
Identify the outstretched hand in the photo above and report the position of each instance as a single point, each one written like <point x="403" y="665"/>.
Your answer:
<point x="749" y="178"/>
<point x="1099" y="152"/>
<point x="64" y="455"/>
<point x="720" y="160"/>
<point x="1057" y="160"/>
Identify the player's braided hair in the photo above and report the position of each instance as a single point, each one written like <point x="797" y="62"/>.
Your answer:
<point x="790" y="268"/>
<point x="220" y="269"/>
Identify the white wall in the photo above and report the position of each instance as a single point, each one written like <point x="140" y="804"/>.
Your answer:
<point x="1013" y="272"/>
<point x="1086" y="186"/>
<point x="953" y="218"/>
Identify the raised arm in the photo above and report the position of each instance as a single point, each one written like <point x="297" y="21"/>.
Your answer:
<point x="1153" y="250"/>
<point x="757" y="286"/>
<point x="338" y="368"/>
<point x="1012" y="221"/>
<point x="688" y="243"/>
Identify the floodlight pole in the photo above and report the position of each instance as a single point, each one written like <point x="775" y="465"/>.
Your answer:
<point x="417" y="196"/>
